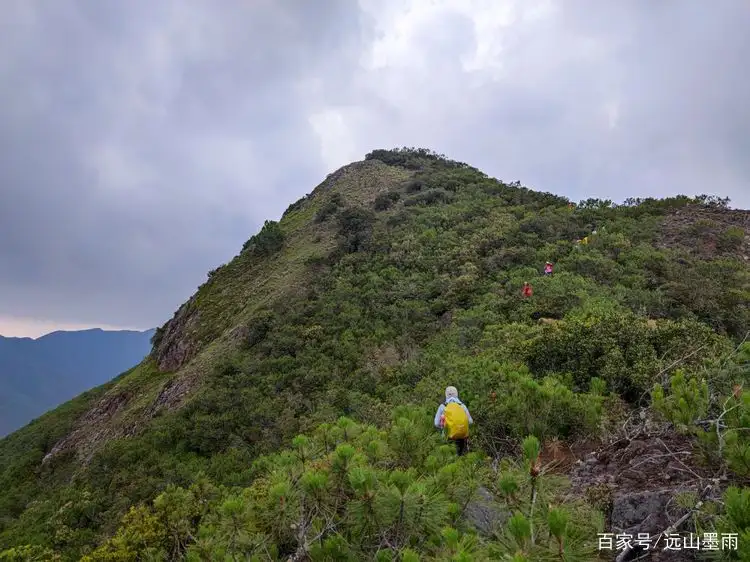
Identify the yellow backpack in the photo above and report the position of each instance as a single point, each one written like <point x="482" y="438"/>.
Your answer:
<point x="456" y="421"/>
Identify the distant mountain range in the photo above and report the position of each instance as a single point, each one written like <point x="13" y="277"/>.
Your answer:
<point x="39" y="374"/>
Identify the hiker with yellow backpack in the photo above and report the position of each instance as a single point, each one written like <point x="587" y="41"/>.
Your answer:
<point x="453" y="418"/>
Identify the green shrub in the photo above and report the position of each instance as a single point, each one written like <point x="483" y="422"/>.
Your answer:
<point x="616" y="346"/>
<point x="714" y="409"/>
<point x="355" y="226"/>
<point x="341" y="492"/>
<point x="731" y="239"/>
<point x="329" y="208"/>
<point x="385" y="200"/>
<point x="267" y="242"/>
<point x="429" y="198"/>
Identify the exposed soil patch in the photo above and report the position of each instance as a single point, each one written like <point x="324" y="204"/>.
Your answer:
<point x="637" y="481"/>
<point x="707" y="232"/>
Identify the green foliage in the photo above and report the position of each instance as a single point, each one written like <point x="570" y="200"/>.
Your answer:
<point x="713" y="407"/>
<point x="355" y="226"/>
<point x="544" y="524"/>
<point x="297" y="205"/>
<point x="731" y="239"/>
<point x="736" y="519"/>
<point x="298" y="331"/>
<point x="429" y="198"/>
<point x="411" y="158"/>
<point x="329" y="208"/>
<point x="267" y="242"/>
<point x="729" y="515"/>
<point x="341" y="504"/>
<point x="713" y="201"/>
<point x="386" y="200"/>
<point x="618" y="347"/>
<point x="29" y="553"/>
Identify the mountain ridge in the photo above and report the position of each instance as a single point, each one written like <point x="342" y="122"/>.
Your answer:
<point x="57" y="333"/>
<point x="396" y="276"/>
<point x="40" y="373"/>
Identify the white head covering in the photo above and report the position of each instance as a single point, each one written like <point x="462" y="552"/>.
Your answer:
<point x="451" y="392"/>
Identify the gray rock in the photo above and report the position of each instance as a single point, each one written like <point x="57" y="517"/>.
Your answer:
<point x="484" y="513"/>
<point x="640" y="512"/>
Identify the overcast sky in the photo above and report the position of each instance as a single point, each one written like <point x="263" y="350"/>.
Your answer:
<point x="141" y="143"/>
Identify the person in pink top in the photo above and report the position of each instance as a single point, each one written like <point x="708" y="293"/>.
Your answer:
<point x="548" y="268"/>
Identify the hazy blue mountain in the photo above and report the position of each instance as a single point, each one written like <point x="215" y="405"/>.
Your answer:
<point x="39" y="374"/>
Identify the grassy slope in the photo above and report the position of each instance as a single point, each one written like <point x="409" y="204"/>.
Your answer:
<point x="362" y="329"/>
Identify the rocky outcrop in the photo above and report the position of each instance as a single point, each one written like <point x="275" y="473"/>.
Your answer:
<point x="96" y="427"/>
<point x="172" y="395"/>
<point x="636" y="481"/>
<point x="174" y="344"/>
<point x="485" y="514"/>
<point x="92" y="428"/>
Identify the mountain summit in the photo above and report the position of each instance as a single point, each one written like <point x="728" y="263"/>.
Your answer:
<point x="285" y="412"/>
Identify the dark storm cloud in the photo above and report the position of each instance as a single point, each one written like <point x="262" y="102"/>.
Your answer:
<point x="141" y="143"/>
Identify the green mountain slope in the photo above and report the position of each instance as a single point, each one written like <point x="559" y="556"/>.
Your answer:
<point x="395" y="277"/>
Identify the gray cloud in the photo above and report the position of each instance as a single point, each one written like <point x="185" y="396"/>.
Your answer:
<point x="136" y="143"/>
<point x="142" y="143"/>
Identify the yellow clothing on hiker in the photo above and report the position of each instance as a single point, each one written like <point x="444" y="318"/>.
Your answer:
<point x="456" y="421"/>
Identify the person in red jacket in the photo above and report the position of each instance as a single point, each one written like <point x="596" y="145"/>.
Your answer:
<point x="527" y="290"/>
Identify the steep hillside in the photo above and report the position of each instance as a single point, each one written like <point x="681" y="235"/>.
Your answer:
<point x="285" y="410"/>
<point x="39" y="374"/>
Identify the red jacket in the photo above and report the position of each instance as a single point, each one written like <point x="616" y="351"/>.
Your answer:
<point x="527" y="291"/>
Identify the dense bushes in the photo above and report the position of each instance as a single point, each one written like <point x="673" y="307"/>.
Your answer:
<point x="296" y="206"/>
<point x="349" y="491"/>
<point x="356" y="226"/>
<point x="619" y="348"/>
<point x="731" y="239"/>
<point x="268" y="241"/>
<point x="329" y="208"/>
<point x="429" y="198"/>
<point x="384" y="201"/>
<point x="714" y="408"/>
<point x="412" y="158"/>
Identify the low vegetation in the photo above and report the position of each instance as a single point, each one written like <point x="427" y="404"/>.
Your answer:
<point x="310" y="433"/>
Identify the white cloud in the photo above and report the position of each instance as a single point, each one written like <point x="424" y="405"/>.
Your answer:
<point x="337" y="146"/>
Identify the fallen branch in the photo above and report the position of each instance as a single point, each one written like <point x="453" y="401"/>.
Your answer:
<point x="668" y="367"/>
<point x="698" y="476"/>
<point x="736" y="349"/>
<point x="654" y="457"/>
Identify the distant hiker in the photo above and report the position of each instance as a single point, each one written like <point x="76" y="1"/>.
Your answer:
<point x="548" y="268"/>
<point x="585" y="240"/>
<point x="527" y="291"/>
<point x="454" y="418"/>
